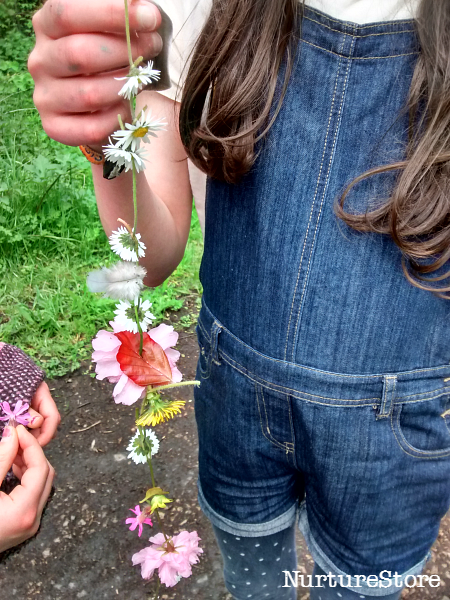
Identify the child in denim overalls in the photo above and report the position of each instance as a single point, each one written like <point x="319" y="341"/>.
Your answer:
<point x="324" y="373"/>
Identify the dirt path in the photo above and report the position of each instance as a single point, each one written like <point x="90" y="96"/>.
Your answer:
<point x="83" y="549"/>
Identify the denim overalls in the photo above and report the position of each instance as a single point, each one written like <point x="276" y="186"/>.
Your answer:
<point x="324" y="374"/>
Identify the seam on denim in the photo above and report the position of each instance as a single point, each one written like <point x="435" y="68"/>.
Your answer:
<point x="324" y="192"/>
<point x="414" y="452"/>
<point x="207" y="372"/>
<point x="295" y="393"/>
<point x="359" y="57"/>
<point x="356" y="35"/>
<point x="293" y="457"/>
<point x="305" y="242"/>
<point x="338" y="401"/>
<point x="269" y="438"/>
<point x="201" y="326"/>
<point x="356" y="25"/>
<point x="379" y="376"/>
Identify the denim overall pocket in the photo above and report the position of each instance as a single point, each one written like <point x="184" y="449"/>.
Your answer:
<point x="421" y="428"/>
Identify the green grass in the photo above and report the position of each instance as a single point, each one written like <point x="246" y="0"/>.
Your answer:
<point x="50" y="232"/>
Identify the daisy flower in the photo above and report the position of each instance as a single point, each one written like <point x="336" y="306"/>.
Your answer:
<point x="125" y="158"/>
<point x="173" y="557"/>
<point x="139" y="519"/>
<point x="18" y="414"/>
<point x="124" y="244"/>
<point x="122" y="281"/>
<point x="137" y="454"/>
<point x="137" y="79"/>
<point x="125" y="316"/>
<point x="131" y="137"/>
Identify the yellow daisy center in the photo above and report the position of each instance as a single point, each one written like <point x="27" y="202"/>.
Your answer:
<point x="140" y="132"/>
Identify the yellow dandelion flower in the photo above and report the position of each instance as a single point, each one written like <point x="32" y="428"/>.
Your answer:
<point x="159" y="411"/>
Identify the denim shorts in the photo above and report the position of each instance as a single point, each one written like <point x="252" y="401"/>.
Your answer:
<point x="362" y="460"/>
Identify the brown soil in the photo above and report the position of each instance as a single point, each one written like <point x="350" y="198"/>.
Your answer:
<point x="84" y="549"/>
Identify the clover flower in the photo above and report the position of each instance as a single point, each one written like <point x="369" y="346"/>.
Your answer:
<point x="18" y="414"/>
<point x="124" y="244"/>
<point x="131" y="137"/>
<point x="122" y="281"/>
<point x="172" y="557"/>
<point x="139" y="519"/>
<point x="137" y="79"/>
<point x="125" y="158"/>
<point x="125" y="316"/>
<point x="137" y="454"/>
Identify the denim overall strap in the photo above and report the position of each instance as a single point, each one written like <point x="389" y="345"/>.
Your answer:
<point x="279" y="270"/>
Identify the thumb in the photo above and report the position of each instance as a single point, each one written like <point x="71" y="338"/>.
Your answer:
<point x="9" y="446"/>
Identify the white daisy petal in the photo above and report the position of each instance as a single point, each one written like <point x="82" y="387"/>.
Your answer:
<point x="125" y="316"/>
<point x="137" y="79"/>
<point x="143" y="127"/>
<point x="125" y="158"/>
<point x="123" y="244"/>
<point x="135" y="452"/>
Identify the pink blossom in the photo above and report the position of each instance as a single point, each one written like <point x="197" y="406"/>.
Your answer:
<point x="173" y="557"/>
<point x="139" y="519"/>
<point x="18" y="414"/>
<point x="106" y="345"/>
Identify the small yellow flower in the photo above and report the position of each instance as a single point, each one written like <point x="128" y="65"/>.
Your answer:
<point x="159" y="502"/>
<point x="159" y="411"/>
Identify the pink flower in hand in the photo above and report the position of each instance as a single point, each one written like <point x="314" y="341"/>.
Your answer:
<point x="173" y="557"/>
<point x="139" y="519"/>
<point x="18" y="414"/>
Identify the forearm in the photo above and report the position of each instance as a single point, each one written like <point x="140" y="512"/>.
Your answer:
<point x="165" y="241"/>
<point x="164" y="195"/>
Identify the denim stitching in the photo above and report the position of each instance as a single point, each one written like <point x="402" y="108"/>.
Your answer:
<point x="313" y="203"/>
<point x="388" y="397"/>
<point x="303" y="367"/>
<point x="425" y="454"/>
<point x="266" y="429"/>
<point x="300" y="395"/>
<point x="360" y="36"/>
<point x="330" y="163"/>
<point x="359" y="57"/>
<point x="356" y="26"/>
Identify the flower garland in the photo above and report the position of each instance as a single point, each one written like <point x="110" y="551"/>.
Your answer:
<point x="141" y="361"/>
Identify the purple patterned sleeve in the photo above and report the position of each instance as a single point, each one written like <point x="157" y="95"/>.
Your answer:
<point x="20" y="377"/>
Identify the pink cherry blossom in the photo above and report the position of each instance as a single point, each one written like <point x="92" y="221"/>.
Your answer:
<point x="18" y="413"/>
<point x="173" y="557"/>
<point x="139" y="519"/>
<point x="106" y="345"/>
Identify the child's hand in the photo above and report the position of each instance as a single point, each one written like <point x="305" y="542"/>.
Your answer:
<point x="20" y="511"/>
<point x="80" y="48"/>
<point x="45" y="417"/>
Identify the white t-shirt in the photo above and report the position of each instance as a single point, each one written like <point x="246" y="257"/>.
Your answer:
<point x="188" y="17"/>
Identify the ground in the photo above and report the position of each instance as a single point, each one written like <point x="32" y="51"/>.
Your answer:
<point x="84" y="549"/>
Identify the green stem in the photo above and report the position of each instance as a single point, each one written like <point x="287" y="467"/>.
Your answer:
<point x="135" y="207"/>
<point x="127" y="29"/>
<point x="141" y="335"/>
<point x="175" y="385"/>
<point x="156" y="512"/>
<point x="157" y="589"/>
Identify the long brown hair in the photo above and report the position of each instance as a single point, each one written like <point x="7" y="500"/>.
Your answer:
<point x="226" y="109"/>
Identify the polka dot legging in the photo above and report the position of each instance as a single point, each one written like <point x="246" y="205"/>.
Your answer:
<point x="253" y="569"/>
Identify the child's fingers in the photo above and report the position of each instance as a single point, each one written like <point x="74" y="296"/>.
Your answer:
<point x="47" y="489"/>
<point x="67" y="17"/>
<point x="8" y="449"/>
<point x="44" y="404"/>
<point x="35" y="474"/>
<point x="36" y="419"/>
